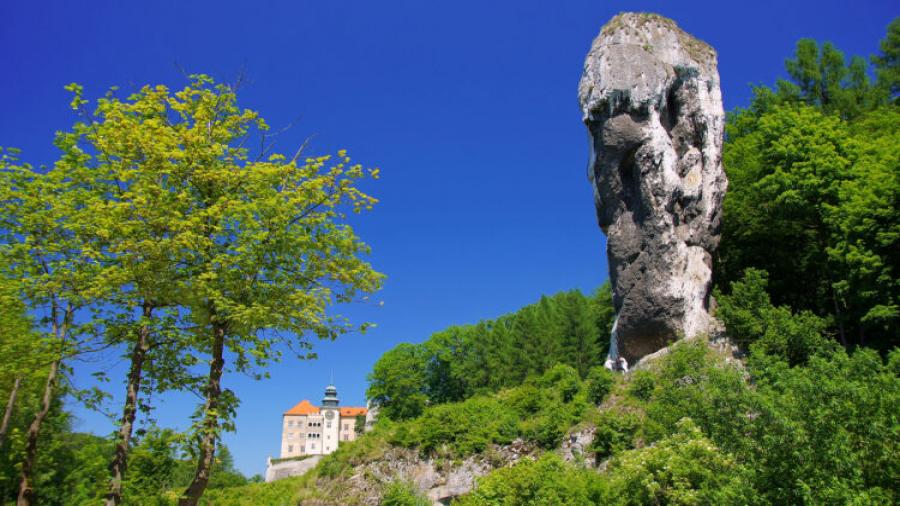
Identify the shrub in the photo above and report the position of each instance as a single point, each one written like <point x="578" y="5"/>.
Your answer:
<point x="641" y="385"/>
<point x="685" y="468"/>
<point x="547" y="480"/>
<point x="615" y="433"/>
<point x="827" y="432"/>
<point x="600" y="382"/>
<point x="399" y="493"/>
<point x="563" y="379"/>
<point x="753" y="322"/>
<point x="466" y="427"/>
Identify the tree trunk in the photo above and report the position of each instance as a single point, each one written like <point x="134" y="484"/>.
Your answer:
<point x="129" y="410"/>
<point x="191" y="496"/>
<point x="7" y="415"/>
<point x="838" y="315"/>
<point x="26" y="492"/>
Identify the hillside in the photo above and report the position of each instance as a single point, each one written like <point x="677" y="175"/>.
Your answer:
<point x="692" y="427"/>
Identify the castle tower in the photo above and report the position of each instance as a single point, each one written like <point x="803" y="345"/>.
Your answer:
<point x="331" y="413"/>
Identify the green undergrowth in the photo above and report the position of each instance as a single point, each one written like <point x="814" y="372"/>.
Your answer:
<point x="539" y="412"/>
<point x="697" y="429"/>
<point x="284" y="492"/>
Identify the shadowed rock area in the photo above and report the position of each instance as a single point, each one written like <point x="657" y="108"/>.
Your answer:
<point x="653" y="108"/>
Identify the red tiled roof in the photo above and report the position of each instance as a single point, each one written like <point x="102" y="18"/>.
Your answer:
<point x="302" y="408"/>
<point x="352" y="411"/>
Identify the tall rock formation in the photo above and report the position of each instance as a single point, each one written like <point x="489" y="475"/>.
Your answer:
<point x="652" y="105"/>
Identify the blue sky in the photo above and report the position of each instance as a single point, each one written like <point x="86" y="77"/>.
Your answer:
<point x="469" y="108"/>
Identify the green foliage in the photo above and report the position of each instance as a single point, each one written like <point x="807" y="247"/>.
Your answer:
<point x="813" y="192"/>
<point x="754" y="322"/>
<point x="398" y="493"/>
<point x="823" y="432"/>
<point x="539" y="411"/>
<point x="616" y="431"/>
<point x="641" y="385"/>
<point x="546" y="481"/>
<point x="685" y="468"/>
<point x="462" y="361"/>
<point x="285" y="492"/>
<point x="371" y="446"/>
<point x="887" y="64"/>
<point x="397" y="382"/>
<point x="466" y="427"/>
<point x="72" y="466"/>
<point x="600" y="382"/>
<point x="152" y="466"/>
<point x="827" y="433"/>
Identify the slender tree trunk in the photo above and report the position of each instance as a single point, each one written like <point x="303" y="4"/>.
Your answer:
<point x="191" y="496"/>
<point x="119" y="463"/>
<point x="26" y="484"/>
<point x="26" y="490"/>
<point x="838" y="315"/>
<point x="7" y="415"/>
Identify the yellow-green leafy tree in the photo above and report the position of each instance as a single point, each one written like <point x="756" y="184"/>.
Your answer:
<point x="40" y="211"/>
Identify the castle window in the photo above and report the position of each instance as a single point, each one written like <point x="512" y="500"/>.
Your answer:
<point x="302" y="449"/>
<point x="290" y="448"/>
<point x="346" y="437"/>
<point x="291" y="423"/>
<point x="312" y="446"/>
<point x="346" y="426"/>
<point x="328" y="425"/>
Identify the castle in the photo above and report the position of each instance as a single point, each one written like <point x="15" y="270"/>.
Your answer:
<point x="313" y="430"/>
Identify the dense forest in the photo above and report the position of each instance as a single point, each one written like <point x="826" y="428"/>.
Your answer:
<point x="806" y="285"/>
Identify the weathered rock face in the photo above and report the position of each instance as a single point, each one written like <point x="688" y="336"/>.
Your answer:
<point x="652" y="105"/>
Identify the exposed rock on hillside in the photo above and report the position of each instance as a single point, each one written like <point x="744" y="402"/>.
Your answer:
<point x="652" y="105"/>
<point x="440" y="480"/>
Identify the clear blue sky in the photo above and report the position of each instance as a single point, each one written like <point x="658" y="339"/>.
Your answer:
<point x="469" y="108"/>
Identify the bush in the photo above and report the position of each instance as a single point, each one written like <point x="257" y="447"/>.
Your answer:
<point x="370" y="446"/>
<point x="641" y="385"/>
<point x="615" y="433"/>
<point x="685" y="468"/>
<point x="465" y="428"/>
<point x="754" y="323"/>
<point x="563" y="379"/>
<point x="693" y="382"/>
<point x="600" y="382"/>
<point x="547" y="480"/>
<point x="827" y="433"/>
<point x="399" y="493"/>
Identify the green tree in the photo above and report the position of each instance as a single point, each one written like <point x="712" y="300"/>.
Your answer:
<point x="127" y="160"/>
<point x="812" y="201"/>
<point x="20" y="350"/>
<point x="40" y="213"/>
<point x="887" y="63"/>
<point x="264" y="243"/>
<point x="813" y="187"/>
<point x="397" y="382"/>
<point x="826" y="433"/>
<point x="753" y="322"/>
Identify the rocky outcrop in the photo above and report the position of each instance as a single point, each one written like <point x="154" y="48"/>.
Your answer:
<point x="440" y="480"/>
<point x="652" y="105"/>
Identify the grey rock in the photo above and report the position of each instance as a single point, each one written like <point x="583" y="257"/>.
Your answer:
<point x="653" y="109"/>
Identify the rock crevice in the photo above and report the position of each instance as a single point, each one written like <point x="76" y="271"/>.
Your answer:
<point x="653" y="109"/>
